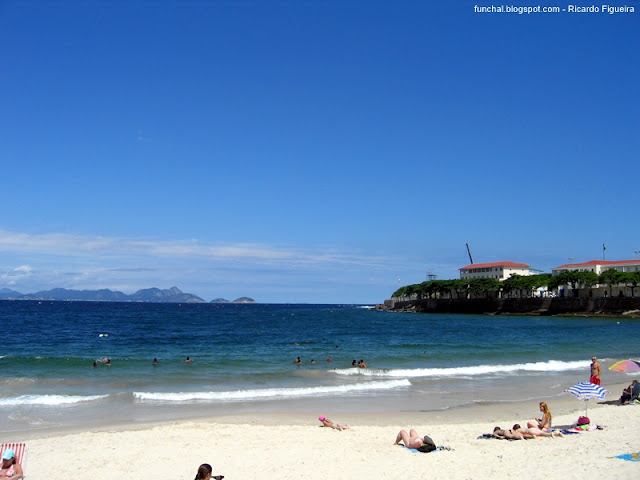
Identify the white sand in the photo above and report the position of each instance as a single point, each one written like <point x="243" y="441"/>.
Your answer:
<point x="283" y="446"/>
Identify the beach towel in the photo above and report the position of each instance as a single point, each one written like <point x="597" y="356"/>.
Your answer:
<point x="491" y="435"/>
<point x="438" y="449"/>
<point x="583" y="428"/>
<point x="630" y="457"/>
<point x="412" y="450"/>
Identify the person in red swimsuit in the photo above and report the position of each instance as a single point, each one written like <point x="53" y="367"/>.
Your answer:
<point x="595" y="371"/>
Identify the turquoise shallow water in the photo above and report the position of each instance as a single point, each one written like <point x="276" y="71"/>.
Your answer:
<point x="243" y="359"/>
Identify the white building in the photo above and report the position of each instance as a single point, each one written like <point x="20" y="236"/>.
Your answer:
<point x="599" y="266"/>
<point x="498" y="270"/>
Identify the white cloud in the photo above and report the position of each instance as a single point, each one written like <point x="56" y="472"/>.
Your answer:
<point x="273" y="272"/>
<point x="12" y="277"/>
<point x="22" y="270"/>
<point x="60" y="244"/>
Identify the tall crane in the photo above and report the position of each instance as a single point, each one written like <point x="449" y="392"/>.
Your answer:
<point x="469" y="252"/>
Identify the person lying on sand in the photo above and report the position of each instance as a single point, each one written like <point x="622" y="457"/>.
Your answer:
<point x="413" y="440"/>
<point x="410" y="440"/>
<point x="508" y="434"/>
<point x="328" y="423"/>
<point x="533" y="432"/>
<point x="204" y="473"/>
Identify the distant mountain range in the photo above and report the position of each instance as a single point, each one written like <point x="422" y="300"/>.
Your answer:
<point x="171" y="295"/>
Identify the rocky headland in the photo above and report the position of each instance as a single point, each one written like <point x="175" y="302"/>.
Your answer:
<point x="611" y="306"/>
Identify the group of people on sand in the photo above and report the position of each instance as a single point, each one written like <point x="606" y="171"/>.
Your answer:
<point x="540" y="427"/>
<point x="410" y="439"/>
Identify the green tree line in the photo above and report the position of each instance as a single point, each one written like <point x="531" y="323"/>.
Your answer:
<point x="518" y="285"/>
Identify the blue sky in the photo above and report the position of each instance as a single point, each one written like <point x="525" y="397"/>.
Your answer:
<point x="321" y="152"/>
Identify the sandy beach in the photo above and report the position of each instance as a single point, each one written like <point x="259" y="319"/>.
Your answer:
<point x="294" y="446"/>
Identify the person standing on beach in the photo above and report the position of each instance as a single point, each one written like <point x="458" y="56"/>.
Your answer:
<point x="595" y="371"/>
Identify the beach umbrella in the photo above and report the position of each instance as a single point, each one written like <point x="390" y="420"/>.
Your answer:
<point x="626" y="366"/>
<point x="586" y="391"/>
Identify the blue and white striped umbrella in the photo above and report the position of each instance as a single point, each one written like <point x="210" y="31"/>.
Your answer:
<point x="587" y="390"/>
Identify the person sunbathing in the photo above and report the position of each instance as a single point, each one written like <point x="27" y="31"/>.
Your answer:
<point x="541" y="427"/>
<point x="627" y="393"/>
<point x="544" y="423"/>
<point x="10" y="468"/>
<point x="328" y="423"/>
<point x="204" y="473"/>
<point x="533" y="432"/>
<point x="508" y="434"/>
<point x="411" y="439"/>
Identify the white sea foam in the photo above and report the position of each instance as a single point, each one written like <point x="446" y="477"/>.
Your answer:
<point x="550" y="366"/>
<point x="270" y="393"/>
<point x="51" y="400"/>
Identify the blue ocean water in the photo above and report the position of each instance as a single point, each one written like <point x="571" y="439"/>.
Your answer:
<point x="243" y="359"/>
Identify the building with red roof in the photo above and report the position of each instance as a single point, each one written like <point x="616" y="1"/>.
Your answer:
<point x="497" y="270"/>
<point x="599" y="266"/>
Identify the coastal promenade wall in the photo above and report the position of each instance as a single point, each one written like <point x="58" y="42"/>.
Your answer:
<point x="616" y="306"/>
